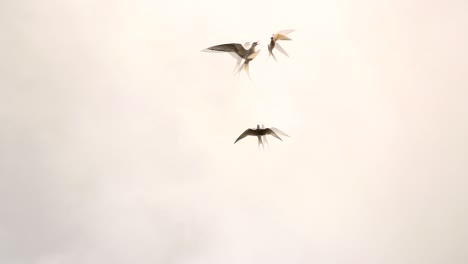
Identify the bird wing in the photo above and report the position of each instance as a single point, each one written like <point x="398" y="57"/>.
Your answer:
<point x="278" y="47"/>
<point x="277" y="131"/>
<point x="247" y="132"/>
<point x="273" y="55"/>
<point x="238" y="60"/>
<point x="281" y="35"/>
<point x="270" y="51"/>
<point x="271" y="132"/>
<point x="230" y="47"/>
<point x="285" y="32"/>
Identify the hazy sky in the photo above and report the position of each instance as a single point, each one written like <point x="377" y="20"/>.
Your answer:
<point x="116" y="139"/>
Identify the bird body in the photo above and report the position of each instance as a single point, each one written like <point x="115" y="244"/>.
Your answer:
<point x="247" y="59"/>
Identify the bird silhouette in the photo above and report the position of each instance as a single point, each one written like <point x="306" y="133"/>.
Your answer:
<point x="259" y="133"/>
<point x="281" y="35"/>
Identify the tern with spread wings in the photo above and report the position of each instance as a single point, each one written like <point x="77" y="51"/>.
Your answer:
<point x="259" y="133"/>
<point x="239" y="52"/>
<point x="281" y="35"/>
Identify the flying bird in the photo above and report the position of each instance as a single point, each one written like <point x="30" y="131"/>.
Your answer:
<point x="259" y="133"/>
<point x="239" y="52"/>
<point x="281" y="35"/>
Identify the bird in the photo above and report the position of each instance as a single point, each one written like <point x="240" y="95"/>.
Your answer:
<point x="239" y="52"/>
<point x="281" y="35"/>
<point x="259" y="133"/>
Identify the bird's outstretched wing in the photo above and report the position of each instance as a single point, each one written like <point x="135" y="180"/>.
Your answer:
<point x="277" y="131"/>
<point x="247" y="132"/>
<point x="281" y="35"/>
<point x="230" y="47"/>
<point x="278" y="47"/>
<point x="271" y="132"/>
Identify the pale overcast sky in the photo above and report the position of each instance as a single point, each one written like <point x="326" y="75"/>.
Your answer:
<point x="116" y="139"/>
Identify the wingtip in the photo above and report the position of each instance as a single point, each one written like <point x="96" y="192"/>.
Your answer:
<point x="273" y="55"/>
